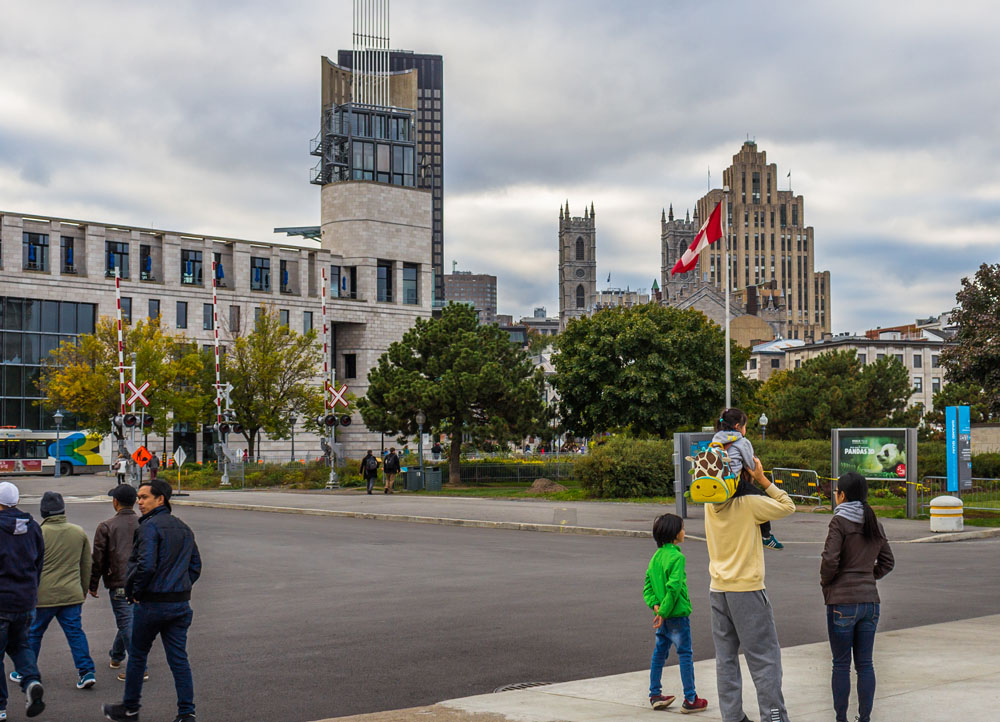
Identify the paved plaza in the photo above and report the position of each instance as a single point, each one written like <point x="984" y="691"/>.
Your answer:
<point x="301" y="617"/>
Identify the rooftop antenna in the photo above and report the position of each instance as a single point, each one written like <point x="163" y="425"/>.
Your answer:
<point x="370" y="52"/>
<point x="710" y="178"/>
<point x="454" y="265"/>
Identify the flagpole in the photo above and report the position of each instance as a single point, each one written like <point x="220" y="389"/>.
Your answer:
<point x="725" y="246"/>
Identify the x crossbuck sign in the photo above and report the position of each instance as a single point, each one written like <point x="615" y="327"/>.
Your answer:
<point x="337" y="396"/>
<point x="137" y="393"/>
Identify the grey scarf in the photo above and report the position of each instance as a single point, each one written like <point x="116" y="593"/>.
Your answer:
<point x="852" y="511"/>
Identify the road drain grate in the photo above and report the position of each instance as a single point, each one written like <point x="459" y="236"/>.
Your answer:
<point x="520" y="685"/>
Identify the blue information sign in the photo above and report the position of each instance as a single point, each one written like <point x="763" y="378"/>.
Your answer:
<point x="958" y="440"/>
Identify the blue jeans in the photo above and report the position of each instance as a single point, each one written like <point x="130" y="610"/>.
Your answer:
<point x="170" y="620"/>
<point x="123" y="619"/>
<point x="852" y="630"/>
<point x="676" y="631"/>
<point x="14" y="632"/>
<point x="72" y="625"/>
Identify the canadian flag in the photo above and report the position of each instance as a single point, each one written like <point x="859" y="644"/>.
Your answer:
<point x="707" y="234"/>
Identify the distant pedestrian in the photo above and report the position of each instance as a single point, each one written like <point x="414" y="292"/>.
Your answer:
<point x="23" y="551"/>
<point x="63" y="587"/>
<point x="163" y="567"/>
<point x="112" y="548"/>
<point x="436" y="450"/>
<point x="742" y="616"/>
<point x="153" y="465"/>
<point x="119" y="466"/>
<point x="666" y="593"/>
<point x="369" y="470"/>
<point x="856" y="554"/>
<point x="390" y="467"/>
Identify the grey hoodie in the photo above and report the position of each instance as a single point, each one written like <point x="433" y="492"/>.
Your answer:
<point x="740" y="450"/>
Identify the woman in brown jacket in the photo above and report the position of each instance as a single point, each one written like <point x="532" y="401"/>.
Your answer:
<point x="856" y="554"/>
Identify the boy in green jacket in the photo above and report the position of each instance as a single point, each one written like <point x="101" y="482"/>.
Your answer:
<point x="666" y="593"/>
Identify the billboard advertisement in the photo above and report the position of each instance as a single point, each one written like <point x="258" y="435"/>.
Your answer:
<point x="873" y="453"/>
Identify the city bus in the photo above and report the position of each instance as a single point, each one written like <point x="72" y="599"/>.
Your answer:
<point x="23" y="451"/>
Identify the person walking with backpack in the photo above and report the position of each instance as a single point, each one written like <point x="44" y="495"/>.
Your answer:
<point x="369" y="470"/>
<point x="22" y="551"/>
<point x="741" y="612"/>
<point x="390" y="467"/>
<point x="63" y="587"/>
<point x="856" y="554"/>
<point x="112" y="549"/>
<point x="163" y="568"/>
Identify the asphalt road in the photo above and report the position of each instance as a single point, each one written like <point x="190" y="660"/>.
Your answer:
<point x="300" y="618"/>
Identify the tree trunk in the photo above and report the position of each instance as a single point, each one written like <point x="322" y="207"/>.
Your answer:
<point x="250" y="443"/>
<point x="455" y="456"/>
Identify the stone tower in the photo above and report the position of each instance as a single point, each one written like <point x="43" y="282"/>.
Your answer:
<point x="675" y="236"/>
<point x="577" y="264"/>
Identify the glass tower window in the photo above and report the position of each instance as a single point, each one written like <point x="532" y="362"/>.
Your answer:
<point x="182" y="314"/>
<point x="145" y="263"/>
<point x="260" y="274"/>
<point x="207" y="318"/>
<point x="410" y="275"/>
<point x="68" y="259"/>
<point x="385" y="281"/>
<point x="117" y="257"/>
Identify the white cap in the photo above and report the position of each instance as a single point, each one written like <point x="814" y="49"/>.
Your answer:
<point x="9" y="495"/>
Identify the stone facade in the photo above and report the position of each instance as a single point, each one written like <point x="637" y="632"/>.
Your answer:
<point x="577" y="264"/>
<point x="364" y="223"/>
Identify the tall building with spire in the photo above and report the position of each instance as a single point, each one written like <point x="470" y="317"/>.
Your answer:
<point x="675" y="236"/>
<point x="577" y="264"/>
<point x="771" y="249"/>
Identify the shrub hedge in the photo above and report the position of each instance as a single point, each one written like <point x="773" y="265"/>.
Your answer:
<point x="623" y="467"/>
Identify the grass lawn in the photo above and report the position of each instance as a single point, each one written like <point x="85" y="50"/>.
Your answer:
<point x="574" y="492"/>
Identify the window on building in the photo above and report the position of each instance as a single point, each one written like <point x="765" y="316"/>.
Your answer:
<point x="384" y="270"/>
<point x="285" y="287"/>
<point x="899" y="357"/>
<point x="935" y="361"/>
<point x="581" y="297"/>
<point x="117" y="257"/>
<point x="191" y="268"/>
<point x="935" y="385"/>
<point x="68" y="257"/>
<point x="753" y="364"/>
<point x="260" y="274"/>
<point x="410" y="275"/>
<point x="307" y="321"/>
<point x="756" y="188"/>
<point x="879" y="356"/>
<point x="795" y="214"/>
<point x="126" y="309"/>
<point x="234" y="319"/>
<point x="863" y="358"/>
<point x="918" y="361"/>
<point x="775" y="363"/>
<point x="798" y="363"/>
<point x="784" y="217"/>
<point x="207" y="317"/>
<point x="36" y="251"/>
<point x="154" y="308"/>
<point x="258" y="313"/>
<point x="283" y="316"/>
<point x="145" y="263"/>
<point x="918" y="384"/>
<point x="581" y="251"/>
<point x="182" y="314"/>
<point x="335" y="289"/>
<point x="350" y="366"/>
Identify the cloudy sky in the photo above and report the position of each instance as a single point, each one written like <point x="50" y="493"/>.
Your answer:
<point x="196" y="116"/>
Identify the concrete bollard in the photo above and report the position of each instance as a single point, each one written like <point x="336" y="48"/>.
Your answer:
<point x="947" y="514"/>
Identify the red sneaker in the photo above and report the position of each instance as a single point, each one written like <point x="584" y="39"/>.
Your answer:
<point x="698" y="705"/>
<point x="661" y="702"/>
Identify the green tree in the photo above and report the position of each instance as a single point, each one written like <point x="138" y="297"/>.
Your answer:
<point x="275" y="375"/>
<point x="960" y="394"/>
<point x="975" y="357"/>
<point x="648" y="369"/>
<point x="834" y="390"/>
<point x="467" y="378"/>
<point x="82" y="377"/>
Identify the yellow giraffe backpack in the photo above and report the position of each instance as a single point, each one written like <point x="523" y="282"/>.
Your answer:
<point x="714" y="481"/>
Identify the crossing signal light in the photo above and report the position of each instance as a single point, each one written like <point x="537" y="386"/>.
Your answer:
<point x="345" y="420"/>
<point x="330" y="420"/>
<point x="147" y="422"/>
<point x="222" y="428"/>
<point x="130" y="421"/>
<point x="237" y="428"/>
<point x="117" y="425"/>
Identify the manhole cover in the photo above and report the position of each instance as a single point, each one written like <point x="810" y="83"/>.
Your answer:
<point x="520" y="685"/>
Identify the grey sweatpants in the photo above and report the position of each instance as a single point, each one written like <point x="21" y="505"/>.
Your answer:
<point x="745" y="619"/>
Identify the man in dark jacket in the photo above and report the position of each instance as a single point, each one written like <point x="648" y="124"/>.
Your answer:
<point x="163" y="567"/>
<point x="390" y="467"/>
<point x="22" y="552"/>
<point x="369" y="470"/>
<point x="112" y="549"/>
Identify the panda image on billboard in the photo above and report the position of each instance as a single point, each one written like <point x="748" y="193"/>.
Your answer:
<point x="889" y="456"/>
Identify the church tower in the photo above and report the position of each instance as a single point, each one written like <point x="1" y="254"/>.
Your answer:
<point x="577" y="264"/>
<point x="675" y="237"/>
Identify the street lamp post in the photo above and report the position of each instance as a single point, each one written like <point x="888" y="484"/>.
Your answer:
<point x="763" y="428"/>
<point x="58" y="418"/>
<point x="293" y="420"/>
<point x="421" y="418"/>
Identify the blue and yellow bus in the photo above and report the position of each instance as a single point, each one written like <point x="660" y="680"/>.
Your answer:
<point x="24" y="451"/>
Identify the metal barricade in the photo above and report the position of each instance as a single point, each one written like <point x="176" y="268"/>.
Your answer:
<point x="983" y="496"/>
<point x="798" y="483"/>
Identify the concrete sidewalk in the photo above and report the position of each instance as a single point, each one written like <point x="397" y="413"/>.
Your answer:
<point x="945" y="671"/>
